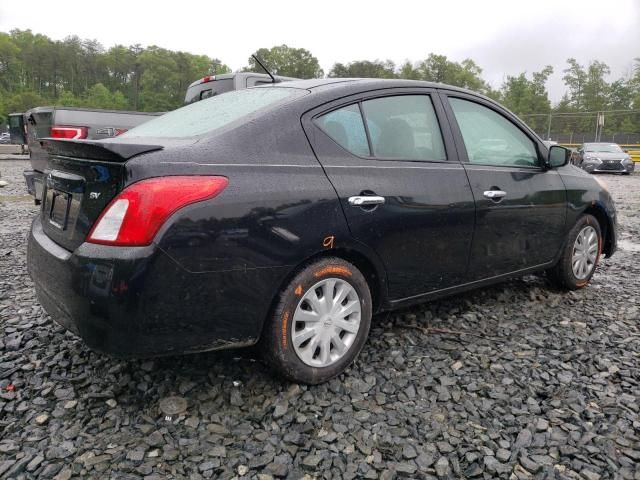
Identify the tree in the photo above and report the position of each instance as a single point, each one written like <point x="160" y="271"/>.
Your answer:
<point x="287" y="61"/>
<point x="466" y="74"/>
<point x="524" y="97"/>
<point x="575" y="78"/>
<point x="596" y="88"/>
<point x="364" y="69"/>
<point x="9" y="53"/>
<point x="408" y="72"/>
<point x="588" y="89"/>
<point x="99" y="96"/>
<point x="80" y="72"/>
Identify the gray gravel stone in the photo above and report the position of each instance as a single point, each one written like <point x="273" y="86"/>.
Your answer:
<point x="442" y="467"/>
<point x="546" y="387"/>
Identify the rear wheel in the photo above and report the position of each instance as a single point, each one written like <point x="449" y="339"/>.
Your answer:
<point x="580" y="255"/>
<point x="320" y="324"/>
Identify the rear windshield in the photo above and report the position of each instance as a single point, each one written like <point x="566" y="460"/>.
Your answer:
<point x="213" y="113"/>
<point x="209" y="89"/>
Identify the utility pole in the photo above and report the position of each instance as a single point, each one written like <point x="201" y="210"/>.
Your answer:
<point x="549" y="128"/>
<point x="599" y="126"/>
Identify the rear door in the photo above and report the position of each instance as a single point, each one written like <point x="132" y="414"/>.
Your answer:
<point x="520" y="205"/>
<point x="401" y="187"/>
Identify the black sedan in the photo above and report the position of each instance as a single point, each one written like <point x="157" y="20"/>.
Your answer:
<point x="287" y="215"/>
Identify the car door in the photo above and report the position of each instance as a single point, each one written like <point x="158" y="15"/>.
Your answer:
<point x="520" y="204"/>
<point x="402" y="190"/>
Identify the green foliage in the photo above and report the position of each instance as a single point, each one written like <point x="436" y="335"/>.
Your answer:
<point x="523" y="96"/>
<point x="466" y="74"/>
<point x="287" y="61"/>
<point x="435" y="68"/>
<point x="364" y="69"/>
<point x="35" y="70"/>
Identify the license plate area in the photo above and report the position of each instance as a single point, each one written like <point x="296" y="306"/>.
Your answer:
<point x="63" y="193"/>
<point x="59" y="204"/>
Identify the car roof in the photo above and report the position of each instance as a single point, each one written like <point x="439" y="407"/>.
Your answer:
<point x="369" y="83"/>
<point x="338" y="87"/>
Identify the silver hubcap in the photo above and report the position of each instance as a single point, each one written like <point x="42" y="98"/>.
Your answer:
<point x="585" y="252"/>
<point x="326" y="322"/>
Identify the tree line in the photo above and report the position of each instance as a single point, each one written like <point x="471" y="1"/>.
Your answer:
<point x="36" y="70"/>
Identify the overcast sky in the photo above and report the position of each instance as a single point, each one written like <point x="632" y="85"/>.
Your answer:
<point x="503" y="37"/>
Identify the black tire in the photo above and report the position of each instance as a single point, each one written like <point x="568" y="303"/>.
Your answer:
<point x="276" y="343"/>
<point x="562" y="275"/>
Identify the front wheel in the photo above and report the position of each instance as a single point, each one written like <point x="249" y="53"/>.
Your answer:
<point x="320" y="323"/>
<point x="580" y="255"/>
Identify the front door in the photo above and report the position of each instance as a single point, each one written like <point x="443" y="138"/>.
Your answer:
<point x="520" y="204"/>
<point x="401" y="187"/>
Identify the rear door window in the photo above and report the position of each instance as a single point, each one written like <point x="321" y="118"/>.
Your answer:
<point x="346" y="128"/>
<point x="404" y="127"/>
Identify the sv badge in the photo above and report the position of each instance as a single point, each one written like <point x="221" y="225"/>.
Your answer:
<point x="94" y="195"/>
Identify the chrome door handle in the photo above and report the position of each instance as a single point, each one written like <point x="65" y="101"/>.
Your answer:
<point x="363" y="201"/>
<point x="495" y="194"/>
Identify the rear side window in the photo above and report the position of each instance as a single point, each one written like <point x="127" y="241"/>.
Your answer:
<point x="346" y="128"/>
<point x="213" y="113"/>
<point x="491" y="139"/>
<point x="404" y="127"/>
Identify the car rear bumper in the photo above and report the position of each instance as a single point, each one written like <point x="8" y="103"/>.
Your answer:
<point x="137" y="302"/>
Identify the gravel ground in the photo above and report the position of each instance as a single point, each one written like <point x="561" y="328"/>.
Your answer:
<point x="512" y="381"/>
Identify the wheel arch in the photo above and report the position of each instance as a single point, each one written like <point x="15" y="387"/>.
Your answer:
<point x="606" y="226"/>
<point x="367" y="263"/>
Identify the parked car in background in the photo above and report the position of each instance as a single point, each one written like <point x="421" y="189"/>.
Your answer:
<point x="604" y="158"/>
<point x="212" y="85"/>
<point x="288" y="214"/>
<point x="71" y="123"/>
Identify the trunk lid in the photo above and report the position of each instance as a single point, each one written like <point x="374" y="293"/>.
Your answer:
<point x="82" y="178"/>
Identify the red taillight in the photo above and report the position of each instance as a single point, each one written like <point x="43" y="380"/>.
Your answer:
<point x="208" y="78"/>
<point x="120" y="131"/>
<point x="134" y="217"/>
<point x="74" y="133"/>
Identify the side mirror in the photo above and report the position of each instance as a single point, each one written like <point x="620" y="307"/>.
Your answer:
<point x="558" y="156"/>
<point x="625" y="150"/>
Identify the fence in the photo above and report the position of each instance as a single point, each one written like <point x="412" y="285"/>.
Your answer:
<point x="579" y="138"/>
<point x="615" y="126"/>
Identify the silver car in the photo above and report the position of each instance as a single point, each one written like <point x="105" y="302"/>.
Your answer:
<point x="604" y="157"/>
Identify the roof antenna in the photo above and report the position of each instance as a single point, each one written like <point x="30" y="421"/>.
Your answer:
<point x="273" y="80"/>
